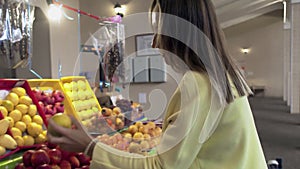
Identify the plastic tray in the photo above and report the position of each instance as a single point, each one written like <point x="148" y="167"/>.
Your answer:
<point x="52" y="84"/>
<point x="69" y="79"/>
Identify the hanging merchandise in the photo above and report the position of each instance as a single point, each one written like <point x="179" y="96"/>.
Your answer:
<point x="109" y="45"/>
<point x="16" y="19"/>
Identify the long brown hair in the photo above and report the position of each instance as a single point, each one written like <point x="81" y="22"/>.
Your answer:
<point x="200" y="13"/>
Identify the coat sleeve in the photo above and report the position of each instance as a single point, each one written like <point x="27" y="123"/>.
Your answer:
<point x="179" y="144"/>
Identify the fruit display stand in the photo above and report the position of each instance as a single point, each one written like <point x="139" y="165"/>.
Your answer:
<point x="22" y="124"/>
<point x="11" y="161"/>
<point x="42" y="88"/>
<point x="82" y="97"/>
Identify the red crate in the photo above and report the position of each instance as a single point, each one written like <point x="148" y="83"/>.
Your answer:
<point x="8" y="84"/>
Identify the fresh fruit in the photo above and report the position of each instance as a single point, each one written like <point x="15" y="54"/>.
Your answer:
<point x="20" y="166"/>
<point x="26" y="119"/>
<point x="62" y="120"/>
<point x="19" y="91"/>
<point x="32" y="110"/>
<point x="13" y="97"/>
<point x="144" y="145"/>
<point x="138" y="136"/>
<point x="28" y="140"/>
<point x="134" y="148"/>
<point x="81" y="85"/>
<point x="34" y="129"/>
<point x="74" y="162"/>
<point x="55" y="156"/>
<point x="25" y="100"/>
<point x="38" y="119"/>
<point x="65" y="164"/>
<point x="132" y="129"/>
<point x="4" y="124"/>
<point x="16" y="115"/>
<point x="8" y="142"/>
<point x="117" y="110"/>
<point x="8" y="105"/>
<point x="27" y="157"/>
<point x="39" y="157"/>
<point x="44" y="166"/>
<point x="144" y="129"/>
<point x="139" y="124"/>
<point x="4" y="111"/>
<point x="40" y="139"/>
<point x="15" y="132"/>
<point x="2" y="150"/>
<point x="55" y="166"/>
<point x="23" y="108"/>
<point x="11" y="121"/>
<point x="20" y="125"/>
<point x="83" y="159"/>
<point x="106" y="111"/>
<point x="19" y="140"/>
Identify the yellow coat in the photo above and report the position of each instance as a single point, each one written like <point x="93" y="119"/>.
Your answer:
<point x="234" y="144"/>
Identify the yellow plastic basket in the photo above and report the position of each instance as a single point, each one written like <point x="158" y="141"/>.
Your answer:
<point x="70" y="79"/>
<point x="53" y="84"/>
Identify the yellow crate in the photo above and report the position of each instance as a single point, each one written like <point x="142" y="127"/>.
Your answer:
<point x="52" y="84"/>
<point x="70" y="79"/>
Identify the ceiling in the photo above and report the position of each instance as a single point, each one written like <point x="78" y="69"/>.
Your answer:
<point x="231" y="12"/>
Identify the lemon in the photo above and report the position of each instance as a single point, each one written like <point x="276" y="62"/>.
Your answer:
<point x="13" y="97"/>
<point x="15" y="132"/>
<point x="34" y="129"/>
<point x="19" y="91"/>
<point x="20" y="125"/>
<point x="1" y="101"/>
<point x="28" y="140"/>
<point x="23" y="108"/>
<point x="44" y="132"/>
<point x="19" y="140"/>
<point x="11" y="121"/>
<point x="32" y="110"/>
<point x="26" y="119"/>
<point x="38" y="119"/>
<point x="8" y="105"/>
<point x="16" y="115"/>
<point x="4" y="111"/>
<point x="40" y="139"/>
<point x="25" y="100"/>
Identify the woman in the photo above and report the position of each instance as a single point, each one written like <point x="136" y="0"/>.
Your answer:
<point x="208" y="122"/>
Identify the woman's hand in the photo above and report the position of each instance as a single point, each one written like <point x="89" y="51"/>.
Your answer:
<point x="72" y="140"/>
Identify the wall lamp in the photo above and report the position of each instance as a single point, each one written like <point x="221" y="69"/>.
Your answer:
<point x="245" y="50"/>
<point x="119" y="9"/>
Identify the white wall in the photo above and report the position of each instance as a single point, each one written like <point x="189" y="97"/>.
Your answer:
<point x="264" y="35"/>
<point x="64" y="42"/>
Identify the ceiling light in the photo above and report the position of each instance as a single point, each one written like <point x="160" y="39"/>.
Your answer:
<point x="54" y="12"/>
<point x="119" y="9"/>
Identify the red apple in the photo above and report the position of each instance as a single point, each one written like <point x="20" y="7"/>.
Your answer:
<point x="40" y="157"/>
<point x="59" y="107"/>
<point x="65" y="164"/>
<point x="51" y="145"/>
<point x="42" y="105"/>
<point x="83" y="159"/>
<point x="55" y="156"/>
<point x="44" y="166"/>
<point x="58" y="95"/>
<point x="20" y="166"/>
<point x="55" y="166"/>
<point x="27" y="157"/>
<point x="74" y="162"/>
<point x="85" y="167"/>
